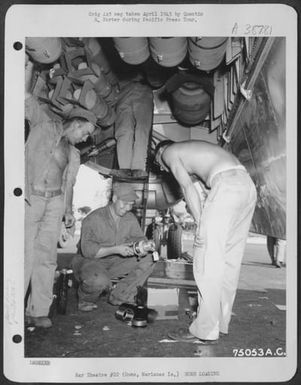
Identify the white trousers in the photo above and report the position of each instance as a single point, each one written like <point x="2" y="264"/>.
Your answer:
<point x="218" y="250"/>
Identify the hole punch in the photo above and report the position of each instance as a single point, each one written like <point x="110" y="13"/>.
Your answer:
<point x="17" y="338"/>
<point x="18" y="45"/>
<point x="18" y="191"/>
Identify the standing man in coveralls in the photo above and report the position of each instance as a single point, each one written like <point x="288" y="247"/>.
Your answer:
<point x="134" y="116"/>
<point x="51" y="166"/>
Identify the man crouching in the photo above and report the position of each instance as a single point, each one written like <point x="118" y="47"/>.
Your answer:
<point x="106" y="237"/>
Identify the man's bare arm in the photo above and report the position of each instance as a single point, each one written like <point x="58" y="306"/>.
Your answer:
<point x="69" y="217"/>
<point x="190" y="193"/>
<point x="68" y="182"/>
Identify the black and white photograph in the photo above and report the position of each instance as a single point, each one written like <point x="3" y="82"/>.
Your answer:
<point x="150" y="224"/>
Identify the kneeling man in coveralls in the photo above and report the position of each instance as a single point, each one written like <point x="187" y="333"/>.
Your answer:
<point x="106" y="237"/>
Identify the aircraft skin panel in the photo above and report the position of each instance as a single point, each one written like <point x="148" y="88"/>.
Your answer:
<point x="259" y="141"/>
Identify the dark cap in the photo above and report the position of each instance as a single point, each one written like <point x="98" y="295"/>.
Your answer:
<point x="78" y="112"/>
<point x="125" y="192"/>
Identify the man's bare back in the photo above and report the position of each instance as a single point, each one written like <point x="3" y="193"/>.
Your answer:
<point x="200" y="158"/>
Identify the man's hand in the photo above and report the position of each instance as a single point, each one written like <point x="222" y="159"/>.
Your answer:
<point x="69" y="220"/>
<point x="125" y="250"/>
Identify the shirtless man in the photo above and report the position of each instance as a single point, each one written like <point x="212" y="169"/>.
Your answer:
<point x="222" y="228"/>
<point x="51" y="165"/>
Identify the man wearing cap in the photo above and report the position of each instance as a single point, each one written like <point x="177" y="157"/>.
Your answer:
<point x="106" y="237"/>
<point x="51" y="165"/>
<point x="223" y="223"/>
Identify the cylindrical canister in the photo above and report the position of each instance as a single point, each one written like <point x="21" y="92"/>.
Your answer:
<point x="125" y="312"/>
<point x="43" y="49"/>
<point x="140" y="317"/>
<point x="132" y="50"/>
<point x="168" y="51"/>
<point x="206" y="53"/>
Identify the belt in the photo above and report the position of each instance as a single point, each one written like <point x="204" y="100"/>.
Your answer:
<point x="47" y="194"/>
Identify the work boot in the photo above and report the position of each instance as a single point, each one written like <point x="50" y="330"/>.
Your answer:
<point x="39" y="322"/>
<point x="115" y="301"/>
<point x="86" y="306"/>
<point x="183" y="335"/>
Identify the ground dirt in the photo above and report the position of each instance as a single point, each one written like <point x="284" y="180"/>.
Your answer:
<point x="258" y="323"/>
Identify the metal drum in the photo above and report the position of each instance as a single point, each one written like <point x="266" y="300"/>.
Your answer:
<point x="43" y="49"/>
<point x="206" y="53"/>
<point x="132" y="50"/>
<point x="168" y="51"/>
